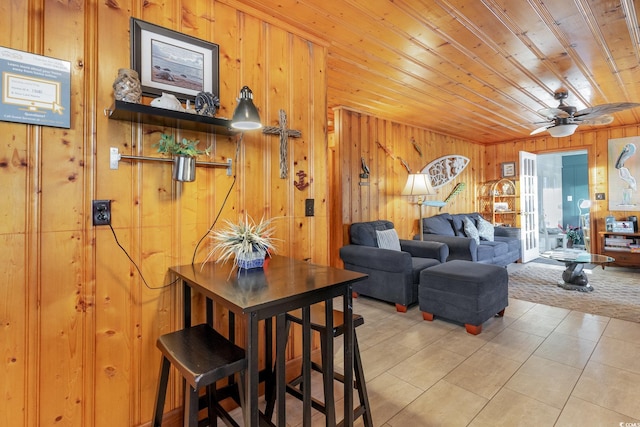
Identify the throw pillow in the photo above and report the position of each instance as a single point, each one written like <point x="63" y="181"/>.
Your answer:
<point x="485" y="229"/>
<point x="457" y="221"/>
<point x="438" y="224"/>
<point x="388" y="239"/>
<point x="364" y="233"/>
<point x="470" y="229"/>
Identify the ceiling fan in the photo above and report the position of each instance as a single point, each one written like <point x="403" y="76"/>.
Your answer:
<point x="564" y="119"/>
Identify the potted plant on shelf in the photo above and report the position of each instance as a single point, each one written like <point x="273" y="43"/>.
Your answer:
<point x="247" y="243"/>
<point x="184" y="154"/>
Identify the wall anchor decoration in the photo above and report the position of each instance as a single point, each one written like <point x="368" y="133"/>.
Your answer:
<point x="300" y="184"/>
<point x="444" y="169"/>
<point x="284" y="138"/>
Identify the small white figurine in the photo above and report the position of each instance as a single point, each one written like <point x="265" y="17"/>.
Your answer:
<point x="168" y="102"/>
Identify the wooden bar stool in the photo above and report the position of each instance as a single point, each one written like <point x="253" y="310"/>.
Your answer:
<point x="202" y="356"/>
<point x="294" y="387"/>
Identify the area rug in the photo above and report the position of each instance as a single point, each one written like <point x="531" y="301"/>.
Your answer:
<point x="616" y="293"/>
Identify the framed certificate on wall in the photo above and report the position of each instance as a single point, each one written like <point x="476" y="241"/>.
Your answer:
<point x="34" y="89"/>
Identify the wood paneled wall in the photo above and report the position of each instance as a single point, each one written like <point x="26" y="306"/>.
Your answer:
<point x="79" y="324"/>
<point x="382" y="144"/>
<point x="358" y="135"/>
<point x="594" y="141"/>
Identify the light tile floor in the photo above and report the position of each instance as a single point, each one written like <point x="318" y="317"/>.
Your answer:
<point x="536" y="366"/>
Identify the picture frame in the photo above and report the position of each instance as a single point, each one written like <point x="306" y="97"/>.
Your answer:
<point x="508" y="169"/>
<point x="623" y="169"/>
<point x="34" y="89"/>
<point x="172" y="62"/>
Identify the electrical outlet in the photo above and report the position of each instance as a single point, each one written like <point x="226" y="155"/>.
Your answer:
<point x="101" y="212"/>
<point x="308" y="207"/>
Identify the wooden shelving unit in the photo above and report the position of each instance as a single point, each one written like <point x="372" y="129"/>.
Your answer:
<point x="168" y="118"/>
<point x="621" y="247"/>
<point x="498" y="202"/>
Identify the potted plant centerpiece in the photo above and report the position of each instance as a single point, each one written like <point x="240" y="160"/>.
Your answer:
<point x="574" y="235"/>
<point x="184" y="154"/>
<point x="248" y="243"/>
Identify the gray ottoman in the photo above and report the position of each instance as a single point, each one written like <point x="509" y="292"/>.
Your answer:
<point x="463" y="291"/>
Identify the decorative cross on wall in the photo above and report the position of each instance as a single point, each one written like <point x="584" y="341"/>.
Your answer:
<point x="284" y="138"/>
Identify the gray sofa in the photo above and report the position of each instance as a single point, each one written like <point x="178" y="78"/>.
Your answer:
<point x="449" y="229"/>
<point x="394" y="275"/>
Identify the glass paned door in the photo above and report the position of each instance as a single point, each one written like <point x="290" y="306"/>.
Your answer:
<point x="529" y="206"/>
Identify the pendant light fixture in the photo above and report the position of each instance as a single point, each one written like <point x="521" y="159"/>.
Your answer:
<point x="245" y="116"/>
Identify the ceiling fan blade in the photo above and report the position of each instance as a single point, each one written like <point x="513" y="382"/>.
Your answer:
<point x="552" y="113"/>
<point x="542" y="129"/>
<point x="595" y="121"/>
<point x="600" y="110"/>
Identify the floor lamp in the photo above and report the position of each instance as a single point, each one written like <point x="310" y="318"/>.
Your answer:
<point x="585" y="222"/>
<point x="418" y="184"/>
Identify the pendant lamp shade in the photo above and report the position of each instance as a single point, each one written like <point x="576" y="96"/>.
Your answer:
<point x="246" y="115"/>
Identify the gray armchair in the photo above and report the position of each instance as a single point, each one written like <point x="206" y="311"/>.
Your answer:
<point x="393" y="274"/>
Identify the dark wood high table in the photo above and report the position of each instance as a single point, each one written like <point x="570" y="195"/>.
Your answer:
<point x="284" y="284"/>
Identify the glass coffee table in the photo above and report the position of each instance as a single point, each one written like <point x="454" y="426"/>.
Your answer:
<point x="574" y="278"/>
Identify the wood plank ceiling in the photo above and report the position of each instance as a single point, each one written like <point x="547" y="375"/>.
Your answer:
<point x="475" y="69"/>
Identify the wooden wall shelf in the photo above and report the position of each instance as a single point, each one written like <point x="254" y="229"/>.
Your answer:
<point x="168" y="118"/>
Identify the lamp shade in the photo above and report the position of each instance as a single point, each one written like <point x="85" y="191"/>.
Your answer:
<point x="418" y="184"/>
<point x="562" y="130"/>
<point x="584" y="203"/>
<point x="246" y="114"/>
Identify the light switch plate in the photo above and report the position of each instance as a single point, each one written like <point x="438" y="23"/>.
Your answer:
<point x="308" y="207"/>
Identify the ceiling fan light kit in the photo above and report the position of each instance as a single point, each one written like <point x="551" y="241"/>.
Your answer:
<point x="562" y="130"/>
<point x="565" y="119"/>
